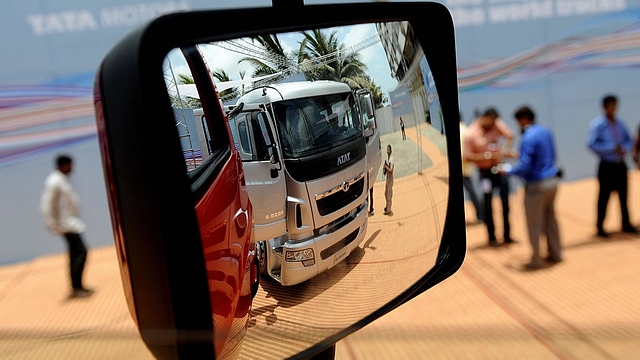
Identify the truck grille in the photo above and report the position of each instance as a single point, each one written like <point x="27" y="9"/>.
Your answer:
<point x="326" y="253"/>
<point x="339" y="199"/>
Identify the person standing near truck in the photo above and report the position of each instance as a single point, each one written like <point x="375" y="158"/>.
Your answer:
<point x="388" y="186"/>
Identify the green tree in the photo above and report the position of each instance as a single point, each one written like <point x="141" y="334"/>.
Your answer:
<point x="379" y="98"/>
<point x="324" y="50"/>
<point x="185" y="79"/>
<point x="319" y="53"/>
<point x="222" y="76"/>
<point x="185" y="101"/>
<point x="274" y="58"/>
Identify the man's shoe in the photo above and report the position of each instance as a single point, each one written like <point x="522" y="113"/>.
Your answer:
<point x="81" y="293"/>
<point x="371" y="212"/>
<point x="629" y="229"/>
<point x="494" y="243"/>
<point x="533" y="266"/>
<point x="603" y="234"/>
<point x="552" y="260"/>
<point x="510" y="241"/>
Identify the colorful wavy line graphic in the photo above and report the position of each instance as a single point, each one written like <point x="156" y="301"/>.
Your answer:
<point x="620" y="48"/>
<point x="36" y="119"/>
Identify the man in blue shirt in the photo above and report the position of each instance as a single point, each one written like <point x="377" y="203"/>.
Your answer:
<point x="609" y="139"/>
<point x="536" y="166"/>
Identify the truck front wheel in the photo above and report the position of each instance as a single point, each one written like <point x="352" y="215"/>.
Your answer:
<point x="262" y="257"/>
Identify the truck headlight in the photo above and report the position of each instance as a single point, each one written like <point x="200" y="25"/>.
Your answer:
<point x="300" y="255"/>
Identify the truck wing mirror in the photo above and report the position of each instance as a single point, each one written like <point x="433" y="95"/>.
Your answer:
<point x="184" y="225"/>
<point x="369" y="129"/>
<point x="273" y="155"/>
<point x="369" y="106"/>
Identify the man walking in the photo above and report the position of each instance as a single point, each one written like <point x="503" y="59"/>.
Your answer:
<point x="59" y="206"/>
<point x="388" y="186"/>
<point x="609" y="139"/>
<point x="482" y="146"/>
<point x="538" y="170"/>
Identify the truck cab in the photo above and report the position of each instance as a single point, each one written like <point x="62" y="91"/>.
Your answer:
<point x="310" y="151"/>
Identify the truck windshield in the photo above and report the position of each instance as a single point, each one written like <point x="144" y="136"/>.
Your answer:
<point x="308" y="126"/>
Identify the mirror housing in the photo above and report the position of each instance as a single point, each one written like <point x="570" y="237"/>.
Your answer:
<point x="164" y="267"/>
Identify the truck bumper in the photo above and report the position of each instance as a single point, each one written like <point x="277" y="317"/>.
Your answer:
<point x="328" y="250"/>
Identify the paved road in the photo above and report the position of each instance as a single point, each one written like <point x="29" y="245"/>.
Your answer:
<point x="583" y="308"/>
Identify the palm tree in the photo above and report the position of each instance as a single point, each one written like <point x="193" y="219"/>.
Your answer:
<point x="190" y="102"/>
<point x="315" y="48"/>
<point x="274" y="59"/>
<point x="318" y="47"/>
<point x="185" y="79"/>
<point x="379" y="99"/>
<point x="222" y="76"/>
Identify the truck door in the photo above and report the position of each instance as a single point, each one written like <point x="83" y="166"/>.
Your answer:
<point x="255" y="140"/>
<point x="371" y="133"/>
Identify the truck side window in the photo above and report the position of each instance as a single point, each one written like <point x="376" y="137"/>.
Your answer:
<point x="243" y="134"/>
<point x="261" y="136"/>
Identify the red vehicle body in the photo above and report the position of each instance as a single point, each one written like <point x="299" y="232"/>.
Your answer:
<point x="163" y="275"/>
<point x="225" y="218"/>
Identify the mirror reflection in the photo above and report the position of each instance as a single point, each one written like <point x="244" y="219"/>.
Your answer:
<point x="343" y="147"/>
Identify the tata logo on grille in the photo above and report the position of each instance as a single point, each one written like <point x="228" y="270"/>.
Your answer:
<point x="345" y="186"/>
<point x="342" y="159"/>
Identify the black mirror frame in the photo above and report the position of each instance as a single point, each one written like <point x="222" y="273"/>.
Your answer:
<point x="149" y="192"/>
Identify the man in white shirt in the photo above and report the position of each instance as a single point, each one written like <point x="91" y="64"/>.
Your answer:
<point x="60" y="206"/>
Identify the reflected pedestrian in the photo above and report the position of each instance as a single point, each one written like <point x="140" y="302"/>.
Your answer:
<point x="536" y="166"/>
<point x="404" y="136"/>
<point x="609" y="139"/>
<point x="60" y="206"/>
<point x="388" y="186"/>
<point x="371" y="212"/>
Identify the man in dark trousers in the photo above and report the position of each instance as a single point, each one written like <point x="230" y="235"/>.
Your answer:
<point x="609" y="139"/>
<point x="60" y="206"/>
<point x="387" y="170"/>
<point x="483" y="146"/>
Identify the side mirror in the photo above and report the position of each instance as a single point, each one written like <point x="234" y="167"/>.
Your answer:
<point x="368" y="111"/>
<point x="190" y="244"/>
<point x="369" y="106"/>
<point x="273" y="155"/>
<point x="371" y="125"/>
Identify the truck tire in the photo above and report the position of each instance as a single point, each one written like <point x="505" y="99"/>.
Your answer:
<point x="261" y="246"/>
<point x="256" y="285"/>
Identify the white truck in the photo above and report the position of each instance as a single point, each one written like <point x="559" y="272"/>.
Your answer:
<point x="311" y="151"/>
